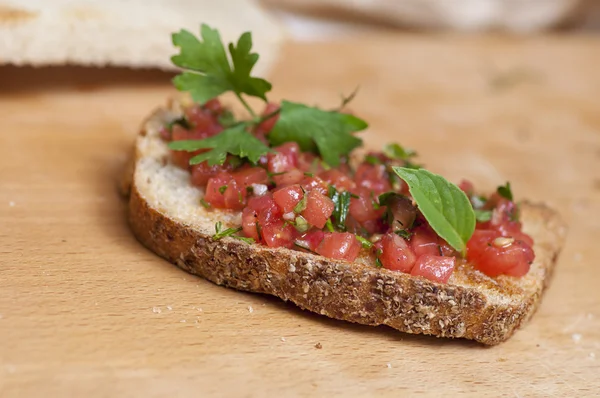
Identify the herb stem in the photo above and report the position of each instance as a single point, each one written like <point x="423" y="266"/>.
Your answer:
<point x="243" y="101"/>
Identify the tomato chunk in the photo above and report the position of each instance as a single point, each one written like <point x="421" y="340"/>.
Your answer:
<point x="362" y="208"/>
<point x="318" y="209"/>
<point x="373" y="177"/>
<point x="284" y="159"/>
<point x="395" y="253"/>
<point x="434" y="268"/>
<point x="287" y="198"/>
<point x="494" y="254"/>
<point x="278" y="234"/>
<point x="338" y="179"/>
<point x="341" y="246"/>
<point x="293" y="176"/>
<point x="247" y="176"/>
<point x="250" y="223"/>
<point x="311" y="239"/>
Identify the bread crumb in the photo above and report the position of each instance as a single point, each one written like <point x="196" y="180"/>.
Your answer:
<point x="11" y="204"/>
<point x="283" y="339"/>
<point x="389" y="365"/>
<point x="592" y="355"/>
<point x="169" y="308"/>
<point x="156" y="310"/>
<point x="250" y="309"/>
<point x="576" y="337"/>
<point x="199" y="309"/>
<point x="183" y="321"/>
<point x="318" y="346"/>
<point x="589" y="316"/>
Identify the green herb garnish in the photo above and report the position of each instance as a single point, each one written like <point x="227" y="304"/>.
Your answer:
<point x="234" y="140"/>
<point x="300" y="206"/>
<point x="341" y="209"/>
<point x="226" y="232"/>
<point x="403" y="233"/>
<point x="327" y="132"/>
<point x="204" y="203"/>
<point x="443" y="204"/>
<point x="483" y="215"/>
<point x="366" y="244"/>
<point x="244" y="239"/>
<point x="208" y="71"/>
<point x="329" y="225"/>
<point x="505" y="191"/>
<point x="182" y="121"/>
<point x="222" y="189"/>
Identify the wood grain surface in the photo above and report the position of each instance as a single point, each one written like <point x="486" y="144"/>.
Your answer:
<point x="86" y="311"/>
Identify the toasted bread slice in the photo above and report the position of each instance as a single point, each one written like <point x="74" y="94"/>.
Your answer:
<point x="165" y="215"/>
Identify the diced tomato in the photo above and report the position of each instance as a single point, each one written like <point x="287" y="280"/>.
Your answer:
<point x="494" y="254"/>
<point x="213" y="194"/>
<point x="373" y="177"/>
<point x="278" y="234"/>
<point x="309" y="162"/>
<point x="202" y="120"/>
<point x="246" y="176"/>
<point x="284" y="159"/>
<point x="249" y="223"/>
<point x="362" y="208"/>
<point x="267" y="125"/>
<point x="467" y="187"/>
<point x="202" y="172"/>
<point x="294" y="176"/>
<point x="514" y="229"/>
<point x="287" y="198"/>
<point x="504" y="211"/>
<point x="222" y="192"/>
<point x="314" y="184"/>
<point x="341" y="246"/>
<point x="214" y="106"/>
<point x="395" y="254"/>
<point x="318" y="209"/>
<point x="338" y="179"/>
<point x="435" y="268"/>
<point x="424" y="242"/>
<point x="311" y="239"/>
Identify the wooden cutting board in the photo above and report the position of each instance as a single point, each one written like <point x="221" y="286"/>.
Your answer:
<point x="87" y="311"/>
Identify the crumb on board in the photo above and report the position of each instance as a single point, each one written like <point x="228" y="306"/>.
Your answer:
<point x="318" y="346"/>
<point x="11" y="204"/>
<point x="156" y="310"/>
<point x="183" y="321"/>
<point x="169" y="308"/>
<point x="592" y="355"/>
<point x="283" y="339"/>
<point x="576" y="337"/>
<point x="199" y="309"/>
<point x="389" y="365"/>
<point x="250" y="309"/>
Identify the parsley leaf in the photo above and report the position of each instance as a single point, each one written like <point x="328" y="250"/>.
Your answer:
<point x="207" y="70"/>
<point x="505" y="191"/>
<point x="396" y="151"/>
<point x="234" y="140"/>
<point x="327" y="132"/>
<point x="443" y="204"/>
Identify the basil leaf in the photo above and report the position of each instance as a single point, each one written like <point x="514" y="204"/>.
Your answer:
<point x="443" y="204"/>
<point x="341" y="209"/>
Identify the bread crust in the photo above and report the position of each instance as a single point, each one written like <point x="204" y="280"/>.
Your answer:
<point x="470" y="306"/>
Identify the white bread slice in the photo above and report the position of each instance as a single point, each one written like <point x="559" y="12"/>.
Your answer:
<point x="165" y="215"/>
<point x="131" y="33"/>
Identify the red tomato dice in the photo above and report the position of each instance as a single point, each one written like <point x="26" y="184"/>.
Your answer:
<point x="284" y="159"/>
<point x="318" y="209"/>
<point x="249" y="223"/>
<point x="267" y="125"/>
<point x="494" y="254"/>
<point x="246" y="176"/>
<point x="314" y="184"/>
<point x="424" y="242"/>
<point x="395" y="254"/>
<point x="373" y="177"/>
<point x="287" y="198"/>
<point x="341" y="181"/>
<point x="362" y="209"/>
<point x="311" y="239"/>
<point x="278" y="234"/>
<point x="435" y="268"/>
<point x="294" y="176"/>
<point x="341" y="246"/>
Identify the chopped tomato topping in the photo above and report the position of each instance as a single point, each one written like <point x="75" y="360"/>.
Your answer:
<point x="338" y="179"/>
<point x="318" y="209"/>
<point x="373" y="177"/>
<point x="285" y="158"/>
<point x="495" y="254"/>
<point x="294" y="176"/>
<point x="267" y="125"/>
<point x="435" y="268"/>
<point x="314" y="184"/>
<point x="287" y="198"/>
<point x="395" y="253"/>
<point x="341" y="246"/>
<point x="311" y="239"/>
<point x="363" y="208"/>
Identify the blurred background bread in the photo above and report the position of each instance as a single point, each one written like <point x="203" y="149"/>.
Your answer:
<point x="134" y="33"/>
